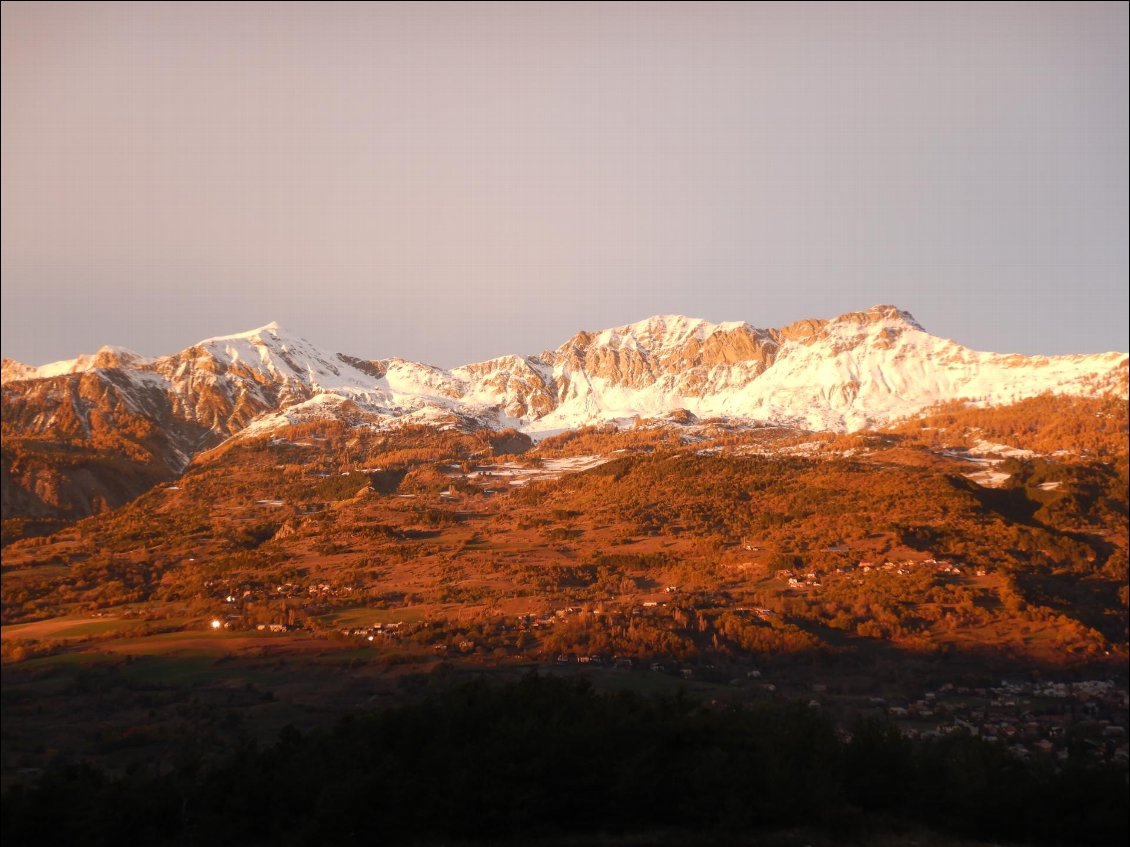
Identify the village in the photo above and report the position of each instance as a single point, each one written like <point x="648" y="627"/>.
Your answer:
<point x="1054" y="718"/>
<point x="1086" y="718"/>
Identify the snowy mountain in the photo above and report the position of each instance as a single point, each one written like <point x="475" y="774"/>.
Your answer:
<point x="859" y="370"/>
<point x="69" y="426"/>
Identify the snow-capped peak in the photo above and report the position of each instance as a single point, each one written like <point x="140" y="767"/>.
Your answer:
<point x="667" y="327"/>
<point x="660" y="332"/>
<point x="280" y="357"/>
<point x="271" y="330"/>
<point x="881" y="318"/>
<point x="882" y="313"/>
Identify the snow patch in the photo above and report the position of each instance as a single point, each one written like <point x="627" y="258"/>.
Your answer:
<point x="988" y="478"/>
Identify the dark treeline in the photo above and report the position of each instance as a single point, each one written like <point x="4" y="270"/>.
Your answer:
<point x="546" y="757"/>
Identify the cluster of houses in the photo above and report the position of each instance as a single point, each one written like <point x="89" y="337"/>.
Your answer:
<point x="1031" y="717"/>
<point x="400" y="630"/>
<point x="275" y="627"/>
<point x="381" y="631"/>
<point x="804" y="581"/>
<point x="284" y="591"/>
<point x="907" y="566"/>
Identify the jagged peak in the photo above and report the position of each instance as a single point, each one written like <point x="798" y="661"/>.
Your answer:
<point x="111" y="356"/>
<point x="882" y="317"/>
<point x="881" y="313"/>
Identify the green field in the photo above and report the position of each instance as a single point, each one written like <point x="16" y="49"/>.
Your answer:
<point x="70" y="626"/>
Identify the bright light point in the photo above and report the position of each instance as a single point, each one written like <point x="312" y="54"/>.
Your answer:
<point x="216" y="624"/>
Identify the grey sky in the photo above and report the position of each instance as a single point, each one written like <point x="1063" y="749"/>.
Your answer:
<point x="454" y="182"/>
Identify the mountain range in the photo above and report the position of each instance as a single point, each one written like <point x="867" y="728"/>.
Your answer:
<point x="84" y="434"/>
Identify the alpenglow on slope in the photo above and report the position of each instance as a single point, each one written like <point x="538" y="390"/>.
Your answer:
<point x="88" y="434"/>
<point x="855" y="371"/>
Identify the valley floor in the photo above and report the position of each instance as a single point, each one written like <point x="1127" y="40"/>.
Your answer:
<point x="290" y="582"/>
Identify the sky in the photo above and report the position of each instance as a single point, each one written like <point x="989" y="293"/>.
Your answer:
<point x="450" y="183"/>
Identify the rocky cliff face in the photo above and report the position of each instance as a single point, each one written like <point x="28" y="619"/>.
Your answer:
<point x="88" y="440"/>
<point x="858" y="370"/>
<point x="638" y="355"/>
